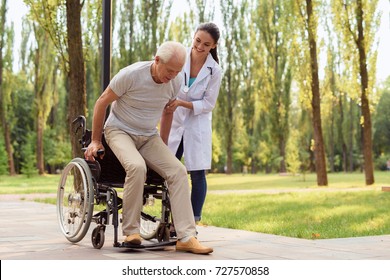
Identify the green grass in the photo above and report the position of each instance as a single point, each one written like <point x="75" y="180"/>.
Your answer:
<point x="301" y="209"/>
<point x="48" y="183"/>
<point x="303" y="215"/>
<point x="308" y="181"/>
<point x="22" y="185"/>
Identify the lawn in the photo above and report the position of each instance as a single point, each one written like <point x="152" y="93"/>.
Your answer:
<point x="22" y="185"/>
<point x="309" y="215"/>
<point x="284" y="205"/>
<point x="48" y="183"/>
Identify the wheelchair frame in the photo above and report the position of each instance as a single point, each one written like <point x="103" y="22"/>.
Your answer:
<point x="84" y="184"/>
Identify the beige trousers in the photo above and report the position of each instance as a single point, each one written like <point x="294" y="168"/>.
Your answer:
<point x="135" y="153"/>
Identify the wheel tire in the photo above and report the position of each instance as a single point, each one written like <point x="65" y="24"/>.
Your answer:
<point x="98" y="237"/>
<point x="75" y="195"/>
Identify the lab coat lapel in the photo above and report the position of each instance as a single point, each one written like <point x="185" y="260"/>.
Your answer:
<point x="205" y="71"/>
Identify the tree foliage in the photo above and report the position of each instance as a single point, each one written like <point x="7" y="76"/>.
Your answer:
<point x="288" y="73"/>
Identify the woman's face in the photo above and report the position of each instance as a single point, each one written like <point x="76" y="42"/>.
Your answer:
<point x="203" y="43"/>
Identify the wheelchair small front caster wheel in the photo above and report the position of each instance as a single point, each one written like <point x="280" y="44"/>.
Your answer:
<point x="98" y="237"/>
<point x="163" y="233"/>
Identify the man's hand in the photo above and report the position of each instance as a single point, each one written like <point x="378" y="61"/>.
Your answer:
<point x="92" y="151"/>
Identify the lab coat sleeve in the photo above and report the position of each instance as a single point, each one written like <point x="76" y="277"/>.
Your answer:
<point x="207" y="104"/>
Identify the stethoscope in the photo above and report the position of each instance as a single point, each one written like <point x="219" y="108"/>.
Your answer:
<point x="186" y="87"/>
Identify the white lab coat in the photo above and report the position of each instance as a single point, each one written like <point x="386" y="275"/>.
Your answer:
<point x="195" y="125"/>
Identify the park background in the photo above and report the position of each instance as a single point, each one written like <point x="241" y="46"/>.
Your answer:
<point x="301" y="90"/>
<point x="297" y="95"/>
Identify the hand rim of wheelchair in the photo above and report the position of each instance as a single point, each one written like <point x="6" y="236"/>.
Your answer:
<point x="75" y="218"/>
<point x="149" y="226"/>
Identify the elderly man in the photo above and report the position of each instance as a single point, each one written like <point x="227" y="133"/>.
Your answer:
<point x="140" y="94"/>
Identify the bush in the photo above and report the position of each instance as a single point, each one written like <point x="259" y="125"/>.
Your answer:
<point x="3" y="159"/>
<point x="381" y="162"/>
<point x="29" y="164"/>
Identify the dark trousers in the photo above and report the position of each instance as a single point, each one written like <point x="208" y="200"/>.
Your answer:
<point x="199" y="186"/>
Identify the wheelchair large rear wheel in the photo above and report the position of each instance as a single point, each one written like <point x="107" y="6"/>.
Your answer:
<point x="75" y="198"/>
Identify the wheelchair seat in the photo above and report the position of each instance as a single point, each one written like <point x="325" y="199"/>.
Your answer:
<point x="109" y="170"/>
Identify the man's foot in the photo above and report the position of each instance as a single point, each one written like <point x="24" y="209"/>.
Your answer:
<point x="193" y="246"/>
<point x="134" y="239"/>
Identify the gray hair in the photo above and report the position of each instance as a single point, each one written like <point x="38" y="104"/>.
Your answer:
<point x="170" y="48"/>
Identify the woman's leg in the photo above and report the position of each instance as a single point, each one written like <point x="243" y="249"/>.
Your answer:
<point x="198" y="193"/>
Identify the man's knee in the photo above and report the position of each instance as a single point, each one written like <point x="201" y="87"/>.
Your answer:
<point x="179" y="171"/>
<point x="132" y="168"/>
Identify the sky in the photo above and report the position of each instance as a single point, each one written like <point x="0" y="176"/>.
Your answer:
<point x="17" y="9"/>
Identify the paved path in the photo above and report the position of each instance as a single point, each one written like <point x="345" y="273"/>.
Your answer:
<point x="29" y="231"/>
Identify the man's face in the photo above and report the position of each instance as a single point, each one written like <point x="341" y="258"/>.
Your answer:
<point x="168" y="71"/>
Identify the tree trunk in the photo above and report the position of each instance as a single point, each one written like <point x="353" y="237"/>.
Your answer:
<point x="39" y="88"/>
<point x="282" y="154"/>
<point x="341" y="134"/>
<point x="77" y="77"/>
<point x="365" y="106"/>
<point x="229" y="139"/>
<point x="331" y="144"/>
<point x="40" y="158"/>
<point x="229" y="154"/>
<point x="350" y="137"/>
<point x="3" y="118"/>
<point x="322" y="179"/>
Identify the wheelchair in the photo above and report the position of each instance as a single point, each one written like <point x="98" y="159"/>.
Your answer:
<point x="85" y="185"/>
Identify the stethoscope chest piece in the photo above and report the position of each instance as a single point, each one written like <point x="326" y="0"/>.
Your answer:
<point x="186" y="89"/>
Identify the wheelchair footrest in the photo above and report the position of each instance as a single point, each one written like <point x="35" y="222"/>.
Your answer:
<point x="148" y="245"/>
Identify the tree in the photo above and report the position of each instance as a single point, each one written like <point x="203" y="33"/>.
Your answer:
<point x="274" y="43"/>
<point x="234" y="64"/>
<point x="382" y="123"/>
<point x="77" y="77"/>
<point x="67" y="38"/>
<point x="44" y="67"/>
<point x="358" y="21"/>
<point x="307" y="20"/>
<point x="4" y="101"/>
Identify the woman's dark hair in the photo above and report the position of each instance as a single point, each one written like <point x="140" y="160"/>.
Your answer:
<point x="213" y="30"/>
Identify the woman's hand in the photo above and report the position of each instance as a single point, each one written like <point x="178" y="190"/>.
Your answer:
<point x="172" y="105"/>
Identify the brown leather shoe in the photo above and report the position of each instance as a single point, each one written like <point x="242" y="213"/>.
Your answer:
<point x="193" y="246"/>
<point x="134" y="239"/>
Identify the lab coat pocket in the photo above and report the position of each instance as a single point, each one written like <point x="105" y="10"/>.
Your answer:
<point x="198" y="92"/>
